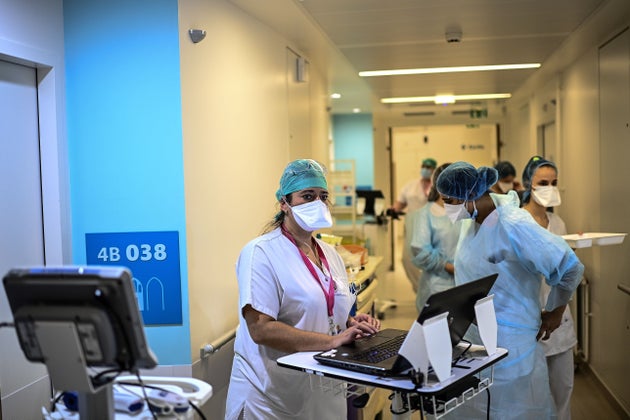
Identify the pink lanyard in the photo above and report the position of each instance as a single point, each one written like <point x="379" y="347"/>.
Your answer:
<point x="330" y="294"/>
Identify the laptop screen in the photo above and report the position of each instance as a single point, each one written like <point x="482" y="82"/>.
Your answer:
<point x="459" y="302"/>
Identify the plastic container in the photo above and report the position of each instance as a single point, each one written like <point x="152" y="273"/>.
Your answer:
<point x="589" y="239"/>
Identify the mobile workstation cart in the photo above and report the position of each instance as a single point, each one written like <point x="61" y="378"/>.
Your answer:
<point x="407" y="395"/>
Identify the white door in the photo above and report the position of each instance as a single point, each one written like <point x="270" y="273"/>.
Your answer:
<point x="23" y="385"/>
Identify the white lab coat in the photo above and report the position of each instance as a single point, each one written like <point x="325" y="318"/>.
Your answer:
<point x="559" y="347"/>
<point x="274" y="280"/>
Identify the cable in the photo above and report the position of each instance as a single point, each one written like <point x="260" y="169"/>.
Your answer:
<point x="7" y="324"/>
<point x="143" y="387"/>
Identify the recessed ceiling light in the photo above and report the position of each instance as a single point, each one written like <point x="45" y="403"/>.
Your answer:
<point x="445" y="99"/>
<point x="433" y="70"/>
<point x="335" y="95"/>
<point x="356" y="110"/>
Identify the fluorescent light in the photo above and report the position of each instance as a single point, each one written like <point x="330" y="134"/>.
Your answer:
<point x="335" y="95"/>
<point x="356" y="110"/>
<point x="433" y="70"/>
<point x="445" y="99"/>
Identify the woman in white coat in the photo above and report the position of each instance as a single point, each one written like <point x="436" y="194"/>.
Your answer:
<point x="293" y="296"/>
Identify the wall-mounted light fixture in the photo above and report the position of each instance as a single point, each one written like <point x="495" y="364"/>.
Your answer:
<point x="197" y="35"/>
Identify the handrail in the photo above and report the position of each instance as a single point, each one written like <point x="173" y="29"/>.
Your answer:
<point x="624" y="288"/>
<point x="214" y="346"/>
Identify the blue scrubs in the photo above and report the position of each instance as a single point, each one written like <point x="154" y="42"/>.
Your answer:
<point x="433" y="242"/>
<point x="511" y="243"/>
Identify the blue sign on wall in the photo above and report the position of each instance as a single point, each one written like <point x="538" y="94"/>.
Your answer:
<point x="153" y="258"/>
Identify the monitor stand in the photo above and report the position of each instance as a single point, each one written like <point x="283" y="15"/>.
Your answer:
<point x="63" y="354"/>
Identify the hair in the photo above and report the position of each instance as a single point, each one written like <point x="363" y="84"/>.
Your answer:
<point x="505" y="169"/>
<point x="433" y="193"/>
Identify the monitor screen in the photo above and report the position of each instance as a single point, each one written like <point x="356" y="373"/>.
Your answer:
<point x="370" y="198"/>
<point x="99" y="301"/>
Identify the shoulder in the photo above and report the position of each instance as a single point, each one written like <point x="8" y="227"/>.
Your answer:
<point x="556" y="224"/>
<point x="263" y="241"/>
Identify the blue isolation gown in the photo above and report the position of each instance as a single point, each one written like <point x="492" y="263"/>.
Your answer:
<point x="433" y="241"/>
<point x="511" y="243"/>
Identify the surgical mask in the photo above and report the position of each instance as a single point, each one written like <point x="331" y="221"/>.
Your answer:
<point x="312" y="216"/>
<point x="547" y="196"/>
<point x="456" y="212"/>
<point x="426" y="173"/>
<point x="506" y="186"/>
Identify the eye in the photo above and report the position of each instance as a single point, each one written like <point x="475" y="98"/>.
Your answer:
<point x="308" y="197"/>
<point x="554" y="183"/>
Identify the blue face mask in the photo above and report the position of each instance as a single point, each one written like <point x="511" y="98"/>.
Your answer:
<point x="426" y="173"/>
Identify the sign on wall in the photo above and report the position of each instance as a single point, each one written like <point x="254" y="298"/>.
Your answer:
<point x="153" y="258"/>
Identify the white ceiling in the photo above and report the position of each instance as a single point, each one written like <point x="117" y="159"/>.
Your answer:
<point x="399" y="34"/>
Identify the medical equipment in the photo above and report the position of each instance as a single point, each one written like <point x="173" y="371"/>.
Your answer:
<point x="72" y="318"/>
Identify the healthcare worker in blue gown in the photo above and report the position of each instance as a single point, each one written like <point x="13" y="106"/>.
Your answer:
<point x="433" y="242"/>
<point x="499" y="237"/>
<point x="293" y="296"/>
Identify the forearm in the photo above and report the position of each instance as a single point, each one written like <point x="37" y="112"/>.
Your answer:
<point x="283" y="337"/>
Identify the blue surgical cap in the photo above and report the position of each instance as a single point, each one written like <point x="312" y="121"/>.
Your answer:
<point x="463" y="181"/>
<point x="505" y="169"/>
<point x="534" y="163"/>
<point x="301" y="174"/>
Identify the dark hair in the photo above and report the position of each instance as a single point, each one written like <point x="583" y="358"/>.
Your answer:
<point x="505" y="169"/>
<point x="434" y="194"/>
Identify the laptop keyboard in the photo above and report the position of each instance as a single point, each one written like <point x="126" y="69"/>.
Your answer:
<point x="381" y="351"/>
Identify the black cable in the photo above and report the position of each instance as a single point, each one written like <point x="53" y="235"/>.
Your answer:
<point x="143" y="387"/>
<point x="6" y="324"/>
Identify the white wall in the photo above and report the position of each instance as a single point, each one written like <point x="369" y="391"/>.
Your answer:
<point x="240" y="108"/>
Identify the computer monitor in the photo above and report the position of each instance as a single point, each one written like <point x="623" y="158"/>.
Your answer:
<point x="99" y="302"/>
<point x="370" y="198"/>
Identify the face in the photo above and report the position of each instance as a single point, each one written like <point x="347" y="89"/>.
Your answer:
<point x="450" y="200"/>
<point x="544" y="176"/>
<point x="508" y="179"/>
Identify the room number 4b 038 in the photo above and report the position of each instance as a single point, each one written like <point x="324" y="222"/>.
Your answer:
<point x="132" y="253"/>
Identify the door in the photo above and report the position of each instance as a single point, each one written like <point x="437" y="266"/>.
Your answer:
<point x="23" y="385"/>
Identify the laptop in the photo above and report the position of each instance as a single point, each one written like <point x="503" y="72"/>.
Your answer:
<point x="378" y="354"/>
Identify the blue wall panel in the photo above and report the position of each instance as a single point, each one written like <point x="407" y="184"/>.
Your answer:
<point x="353" y="137"/>
<point x="125" y="132"/>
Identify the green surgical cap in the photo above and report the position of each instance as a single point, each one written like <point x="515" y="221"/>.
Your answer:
<point x="463" y="181"/>
<point x="301" y="174"/>
<point x="429" y="162"/>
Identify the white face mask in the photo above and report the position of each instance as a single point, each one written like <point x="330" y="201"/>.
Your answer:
<point x="505" y="186"/>
<point x="547" y="196"/>
<point x="456" y="212"/>
<point x="312" y="216"/>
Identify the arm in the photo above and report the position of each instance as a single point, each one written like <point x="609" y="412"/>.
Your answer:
<point x="266" y="331"/>
<point x="425" y="255"/>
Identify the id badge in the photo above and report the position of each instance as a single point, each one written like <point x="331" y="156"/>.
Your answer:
<point x="333" y="329"/>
